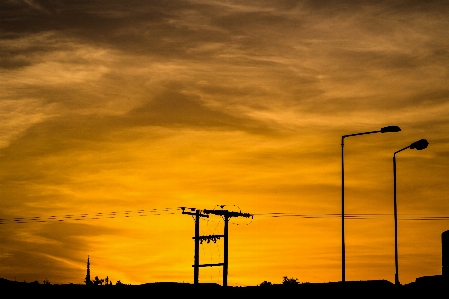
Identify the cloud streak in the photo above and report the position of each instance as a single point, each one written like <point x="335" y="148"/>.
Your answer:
<point x="113" y="106"/>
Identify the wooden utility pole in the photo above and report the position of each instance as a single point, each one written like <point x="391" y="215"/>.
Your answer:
<point x="199" y="239"/>
<point x="197" y="214"/>
<point x="226" y="216"/>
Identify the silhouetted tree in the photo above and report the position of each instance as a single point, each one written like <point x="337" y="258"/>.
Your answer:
<point x="106" y="280"/>
<point x="265" y="283"/>
<point x="118" y="283"/>
<point x="289" y="281"/>
<point x="98" y="281"/>
<point x="46" y="282"/>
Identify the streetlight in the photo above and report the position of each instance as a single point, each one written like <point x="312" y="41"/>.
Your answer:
<point x="418" y="145"/>
<point x="382" y="130"/>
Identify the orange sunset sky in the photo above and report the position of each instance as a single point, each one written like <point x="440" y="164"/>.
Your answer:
<point x="116" y="113"/>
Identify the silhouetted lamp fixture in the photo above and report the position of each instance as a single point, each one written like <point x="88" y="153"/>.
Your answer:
<point x="387" y="129"/>
<point x="418" y="145"/>
<point x="391" y="129"/>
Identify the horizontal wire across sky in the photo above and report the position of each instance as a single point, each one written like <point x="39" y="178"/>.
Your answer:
<point x="172" y="211"/>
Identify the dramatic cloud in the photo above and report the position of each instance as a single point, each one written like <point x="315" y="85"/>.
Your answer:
<point x="112" y="106"/>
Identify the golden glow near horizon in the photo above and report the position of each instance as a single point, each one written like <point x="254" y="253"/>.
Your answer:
<point x="109" y="107"/>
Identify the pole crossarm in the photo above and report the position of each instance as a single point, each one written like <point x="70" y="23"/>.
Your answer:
<point x="210" y="265"/>
<point x="209" y="238"/>
<point x="227" y="213"/>
<point x="194" y="214"/>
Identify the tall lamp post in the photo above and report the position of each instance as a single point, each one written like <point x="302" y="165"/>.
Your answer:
<point x="418" y="145"/>
<point x="382" y="130"/>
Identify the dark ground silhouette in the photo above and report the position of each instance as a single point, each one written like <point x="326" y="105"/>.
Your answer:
<point x="428" y="287"/>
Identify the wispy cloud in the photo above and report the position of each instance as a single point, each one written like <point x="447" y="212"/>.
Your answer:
<point x="134" y="105"/>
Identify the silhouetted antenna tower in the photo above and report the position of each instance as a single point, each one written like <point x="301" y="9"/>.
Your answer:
<point x="200" y="239"/>
<point x="88" y="281"/>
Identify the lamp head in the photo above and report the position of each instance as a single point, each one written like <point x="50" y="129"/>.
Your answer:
<point x="419" y="145"/>
<point x="390" y="129"/>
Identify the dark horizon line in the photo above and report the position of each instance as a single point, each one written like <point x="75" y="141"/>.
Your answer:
<point x="437" y="277"/>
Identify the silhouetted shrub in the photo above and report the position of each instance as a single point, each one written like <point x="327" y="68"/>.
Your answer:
<point x="98" y="281"/>
<point x="289" y="281"/>
<point x="265" y="283"/>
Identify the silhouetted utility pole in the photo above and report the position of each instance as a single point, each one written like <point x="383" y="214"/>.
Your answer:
<point x="226" y="216"/>
<point x="200" y="239"/>
<point x="197" y="239"/>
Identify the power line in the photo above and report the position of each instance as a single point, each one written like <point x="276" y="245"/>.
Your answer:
<point x="171" y="211"/>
